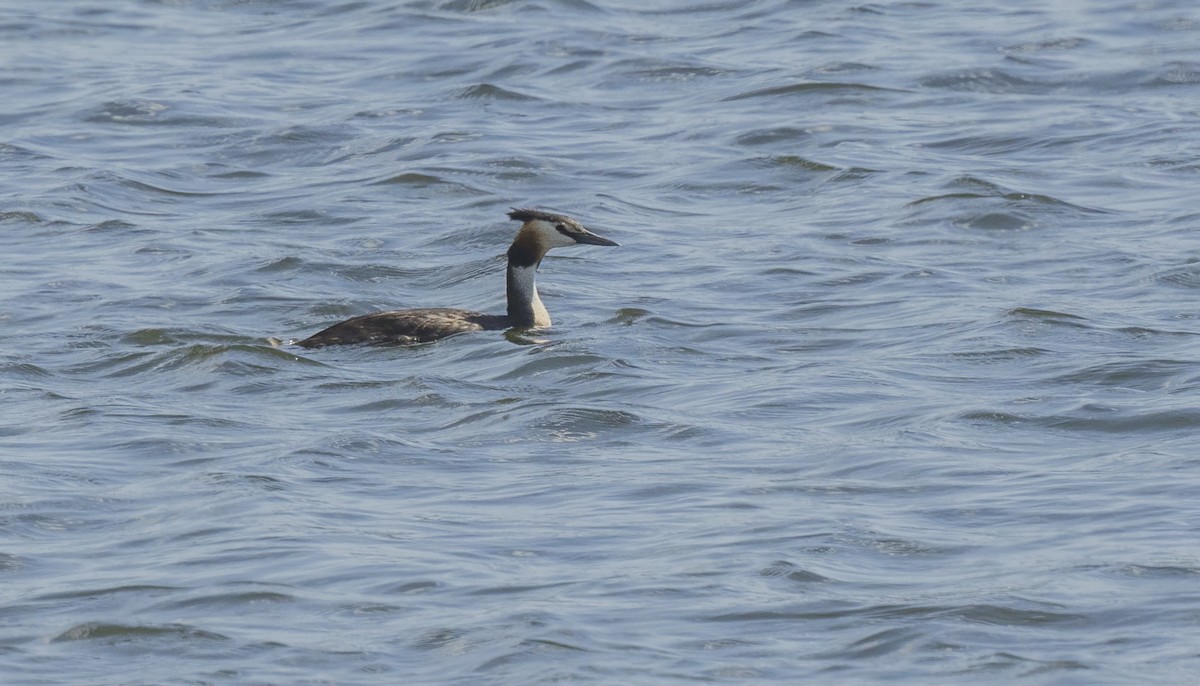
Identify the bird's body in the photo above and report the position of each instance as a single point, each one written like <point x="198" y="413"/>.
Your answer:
<point x="540" y="232"/>
<point x="405" y="327"/>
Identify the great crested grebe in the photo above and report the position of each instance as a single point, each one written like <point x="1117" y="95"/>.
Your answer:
<point x="540" y="232"/>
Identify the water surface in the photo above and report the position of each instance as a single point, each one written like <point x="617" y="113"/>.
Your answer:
<point x="892" y="379"/>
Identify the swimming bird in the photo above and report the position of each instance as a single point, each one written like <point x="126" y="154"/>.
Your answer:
<point x="540" y="232"/>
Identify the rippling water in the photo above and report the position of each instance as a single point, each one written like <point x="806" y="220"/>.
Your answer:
<point x="894" y="377"/>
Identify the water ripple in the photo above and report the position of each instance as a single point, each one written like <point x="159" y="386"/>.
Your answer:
<point x="890" y="378"/>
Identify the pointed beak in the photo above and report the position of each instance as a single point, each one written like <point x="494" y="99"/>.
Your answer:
<point x="592" y="239"/>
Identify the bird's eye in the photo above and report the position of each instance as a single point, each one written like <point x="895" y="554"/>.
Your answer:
<point x="561" y="227"/>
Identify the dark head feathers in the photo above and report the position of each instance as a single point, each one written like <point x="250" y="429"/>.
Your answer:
<point x="526" y="214"/>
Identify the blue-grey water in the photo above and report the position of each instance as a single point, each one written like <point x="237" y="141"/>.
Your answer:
<point x="895" y="377"/>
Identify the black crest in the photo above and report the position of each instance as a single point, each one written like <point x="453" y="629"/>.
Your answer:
<point x="525" y="214"/>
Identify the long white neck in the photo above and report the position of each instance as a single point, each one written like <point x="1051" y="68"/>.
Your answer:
<point x="525" y="308"/>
